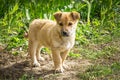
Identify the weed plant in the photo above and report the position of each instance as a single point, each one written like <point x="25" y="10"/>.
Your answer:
<point x="99" y="23"/>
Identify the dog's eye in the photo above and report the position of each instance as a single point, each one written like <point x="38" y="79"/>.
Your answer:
<point x="61" y="24"/>
<point x="69" y="24"/>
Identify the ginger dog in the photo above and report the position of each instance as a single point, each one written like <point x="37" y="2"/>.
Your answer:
<point x="59" y="36"/>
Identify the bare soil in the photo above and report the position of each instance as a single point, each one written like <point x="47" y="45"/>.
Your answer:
<point x="19" y="67"/>
<point x="15" y="67"/>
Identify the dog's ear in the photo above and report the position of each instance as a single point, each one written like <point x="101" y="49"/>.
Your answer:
<point x="75" y="15"/>
<point x="57" y="15"/>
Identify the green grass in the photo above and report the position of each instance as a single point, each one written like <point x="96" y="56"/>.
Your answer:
<point x="101" y="72"/>
<point x="105" y="59"/>
<point x="26" y="77"/>
<point x="92" y="52"/>
<point x="15" y="19"/>
<point x="74" y="55"/>
<point x="96" y="33"/>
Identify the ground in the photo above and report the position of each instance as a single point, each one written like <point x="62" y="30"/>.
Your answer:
<point x="14" y="67"/>
<point x="19" y="67"/>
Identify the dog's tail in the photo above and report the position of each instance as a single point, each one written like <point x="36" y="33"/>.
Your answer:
<point x="26" y="35"/>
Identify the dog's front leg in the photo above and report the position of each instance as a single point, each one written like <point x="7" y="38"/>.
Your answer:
<point x="63" y="56"/>
<point x="57" y="61"/>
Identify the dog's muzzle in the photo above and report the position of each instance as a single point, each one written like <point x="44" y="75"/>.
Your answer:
<point x="64" y="33"/>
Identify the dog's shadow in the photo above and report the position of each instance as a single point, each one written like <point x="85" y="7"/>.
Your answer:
<point x="21" y="70"/>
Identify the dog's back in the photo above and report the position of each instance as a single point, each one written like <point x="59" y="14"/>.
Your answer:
<point x="40" y="30"/>
<point x="38" y="24"/>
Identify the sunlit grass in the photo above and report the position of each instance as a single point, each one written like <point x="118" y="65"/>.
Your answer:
<point x="96" y="72"/>
<point x="97" y="27"/>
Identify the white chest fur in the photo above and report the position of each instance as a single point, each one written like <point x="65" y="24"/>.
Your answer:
<point x="63" y="45"/>
<point x="68" y="45"/>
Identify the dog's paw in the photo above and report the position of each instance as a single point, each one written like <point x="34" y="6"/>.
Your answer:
<point x="60" y="70"/>
<point x="36" y="64"/>
<point x="41" y="59"/>
<point x="65" y="66"/>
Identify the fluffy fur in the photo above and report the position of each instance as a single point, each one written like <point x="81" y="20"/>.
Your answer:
<point x="59" y="36"/>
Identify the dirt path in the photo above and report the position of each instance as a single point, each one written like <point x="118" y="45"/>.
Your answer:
<point x="19" y="68"/>
<point x="16" y="67"/>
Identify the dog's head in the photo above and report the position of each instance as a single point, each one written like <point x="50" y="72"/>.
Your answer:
<point x="67" y="22"/>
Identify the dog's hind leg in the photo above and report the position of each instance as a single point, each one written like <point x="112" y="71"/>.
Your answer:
<point x="32" y="52"/>
<point x="38" y="52"/>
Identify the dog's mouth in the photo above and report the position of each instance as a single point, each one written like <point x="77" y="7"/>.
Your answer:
<point x="65" y="33"/>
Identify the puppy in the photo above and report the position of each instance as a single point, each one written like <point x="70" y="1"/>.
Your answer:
<point x="59" y="36"/>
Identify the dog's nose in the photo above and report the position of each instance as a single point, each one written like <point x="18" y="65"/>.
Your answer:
<point x="64" y="33"/>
